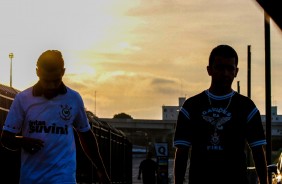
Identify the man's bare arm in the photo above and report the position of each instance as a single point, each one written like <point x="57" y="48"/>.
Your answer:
<point x="180" y="164"/>
<point x="90" y="146"/>
<point x="258" y="153"/>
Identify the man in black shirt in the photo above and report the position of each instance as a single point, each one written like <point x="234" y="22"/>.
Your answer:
<point x="215" y="126"/>
<point x="149" y="169"/>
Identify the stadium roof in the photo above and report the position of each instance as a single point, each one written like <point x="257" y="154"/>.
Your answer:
<point x="8" y="91"/>
<point x="273" y="9"/>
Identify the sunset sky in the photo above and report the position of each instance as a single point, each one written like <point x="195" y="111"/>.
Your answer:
<point x="137" y="55"/>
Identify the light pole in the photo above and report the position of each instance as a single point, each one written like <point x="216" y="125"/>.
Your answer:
<point x="11" y="56"/>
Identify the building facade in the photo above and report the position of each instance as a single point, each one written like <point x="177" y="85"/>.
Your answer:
<point x="171" y="112"/>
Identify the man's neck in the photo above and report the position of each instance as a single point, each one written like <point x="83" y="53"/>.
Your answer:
<point x="220" y="92"/>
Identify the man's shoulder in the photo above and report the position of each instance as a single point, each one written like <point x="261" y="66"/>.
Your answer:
<point x="242" y="98"/>
<point x="25" y="92"/>
<point x="197" y="97"/>
<point x="72" y="91"/>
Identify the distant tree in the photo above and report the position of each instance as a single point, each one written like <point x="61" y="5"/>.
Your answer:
<point x="122" y="116"/>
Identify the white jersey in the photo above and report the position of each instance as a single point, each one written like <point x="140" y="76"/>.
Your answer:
<point x="51" y="121"/>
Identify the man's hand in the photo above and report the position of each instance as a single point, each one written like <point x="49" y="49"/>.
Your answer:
<point x="14" y="142"/>
<point x="30" y="145"/>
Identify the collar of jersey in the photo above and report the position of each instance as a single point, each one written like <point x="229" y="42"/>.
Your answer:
<point x="37" y="90"/>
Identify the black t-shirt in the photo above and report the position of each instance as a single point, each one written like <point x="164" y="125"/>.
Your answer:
<point x="148" y="168"/>
<point x="217" y="129"/>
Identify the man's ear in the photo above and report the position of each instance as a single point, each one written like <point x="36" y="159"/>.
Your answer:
<point x="37" y="72"/>
<point x="209" y="70"/>
<point x="63" y="72"/>
<point x="236" y="72"/>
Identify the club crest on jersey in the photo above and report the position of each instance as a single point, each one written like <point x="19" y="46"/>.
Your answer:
<point x="65" y="113"/>
<point x="216" y="117"/>
<point x="217" y="122"/>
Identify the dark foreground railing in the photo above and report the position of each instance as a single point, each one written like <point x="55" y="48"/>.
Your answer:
<point x="115" y="150"/>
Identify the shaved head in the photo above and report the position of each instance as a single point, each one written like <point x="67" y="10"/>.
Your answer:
<point x="50" y="60"/>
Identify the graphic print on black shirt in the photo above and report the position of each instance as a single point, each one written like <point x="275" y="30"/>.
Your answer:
<point x="217" y="116"/>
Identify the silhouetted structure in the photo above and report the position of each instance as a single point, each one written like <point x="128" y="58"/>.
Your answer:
<point x="115" y="149"/>
<point x="272" y="8"/>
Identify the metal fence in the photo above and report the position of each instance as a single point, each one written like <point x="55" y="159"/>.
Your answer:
<point x="115" y="149"/>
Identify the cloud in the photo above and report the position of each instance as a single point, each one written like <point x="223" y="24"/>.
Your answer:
<point x="136" y="55"/>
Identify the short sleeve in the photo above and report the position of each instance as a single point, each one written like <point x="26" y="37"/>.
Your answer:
<point x="15" y="117"/>
<point x="81" y="122"/>
<point x="182" y="136"/>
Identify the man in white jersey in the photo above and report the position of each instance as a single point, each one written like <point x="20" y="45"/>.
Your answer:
<point x="41" y="121"/>
<point x="215" y="126"/>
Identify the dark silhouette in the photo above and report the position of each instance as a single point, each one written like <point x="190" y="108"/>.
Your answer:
<point x="216" y="124"/>
<point x="148" y="169"/>
<point x="122" y="116"/>
<point x="272" y="8"/>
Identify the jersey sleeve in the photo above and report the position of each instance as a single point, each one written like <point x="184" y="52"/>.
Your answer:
<point x="81" y="121"/>
<point x="182" y="136"/>
<point x="255" y="131"/>
<point x="15" y="117"/>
